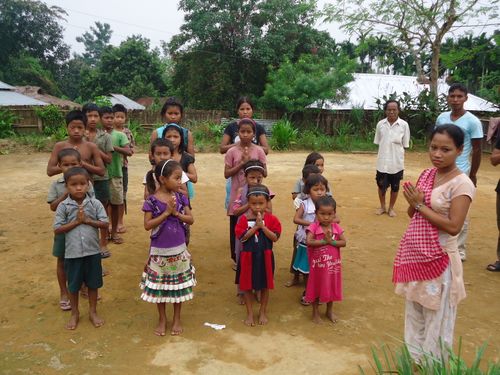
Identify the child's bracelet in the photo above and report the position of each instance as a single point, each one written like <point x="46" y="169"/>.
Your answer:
<point x="323" y="242"/>
<point x="334" y="243"/>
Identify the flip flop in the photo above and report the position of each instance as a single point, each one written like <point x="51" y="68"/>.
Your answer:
<point x="65" y="305"/>
<point x="117" y="240"/>
<point x="494" y="267"/>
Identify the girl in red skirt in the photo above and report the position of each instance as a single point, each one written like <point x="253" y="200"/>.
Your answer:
<point x="257" y="230"/>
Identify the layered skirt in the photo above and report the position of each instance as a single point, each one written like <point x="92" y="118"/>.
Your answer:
<point x="168" y="278"/>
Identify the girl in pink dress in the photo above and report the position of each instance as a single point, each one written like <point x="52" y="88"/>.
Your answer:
<point x="324" y="240"/>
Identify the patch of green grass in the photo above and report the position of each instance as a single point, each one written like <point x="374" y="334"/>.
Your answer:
<point x="388" y="361"/>
<point x="284" y="135"/>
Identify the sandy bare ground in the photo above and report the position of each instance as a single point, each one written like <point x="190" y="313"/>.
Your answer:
<point x="33" y="339"/>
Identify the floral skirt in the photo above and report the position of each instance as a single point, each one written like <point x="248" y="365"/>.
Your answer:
<point x="168" y="279"/>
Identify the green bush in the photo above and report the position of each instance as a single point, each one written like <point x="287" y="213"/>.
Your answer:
<point x="284" y="135"/>
<point x="52" y="119"/>
<point x="313" y="140"/>
<point x="7" y="119"/>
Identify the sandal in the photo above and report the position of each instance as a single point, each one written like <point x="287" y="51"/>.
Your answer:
<point x="65" y="305"/>
<point x="117" y="240"/>
<point x="494" y="267"/>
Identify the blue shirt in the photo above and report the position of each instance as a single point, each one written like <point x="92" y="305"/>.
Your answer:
<point x="472" y="128"/>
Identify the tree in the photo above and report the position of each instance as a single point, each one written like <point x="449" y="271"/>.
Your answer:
<point x="131" y="69"/>
<point x="29" y="27"/>
<point x="226" y="47"/>
<point x="417" y="26"/>
<point x="293" y="86"/>
<point x="95" y="42"/>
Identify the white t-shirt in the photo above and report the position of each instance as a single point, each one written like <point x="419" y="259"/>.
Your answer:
<point x="391" y="141"/>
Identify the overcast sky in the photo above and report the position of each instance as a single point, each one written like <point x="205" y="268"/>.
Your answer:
<point x="154" y="19"/>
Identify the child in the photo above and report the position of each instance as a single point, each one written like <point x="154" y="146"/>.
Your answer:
<point x="104" y="143"/>
<point x="314" y="158"/>
<point x="298" y="197"/>
<point x="79" y="217"/>
<point x="66" y="158"/>
<point x="235" y="159"/>
<point x="254" y="174"/>
<point x="121" y="148"/>
<point x="120" y="118"/>
<point x="257" y="230"/>
<point x="161" y="150"/>
<point x="172" y="112"/>
<point x="175" y="134"/>
<point x="76" y="123"/>
<point x="324" y="240"/>
<point x="316" y="186"/>
<point x="168" y="276"/>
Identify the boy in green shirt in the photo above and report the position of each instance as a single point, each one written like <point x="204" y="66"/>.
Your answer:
<point x="120" y="148"/>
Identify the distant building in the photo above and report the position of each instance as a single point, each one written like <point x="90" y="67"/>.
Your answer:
<point x="38" y="93"/>
<point x="366" y="88"/>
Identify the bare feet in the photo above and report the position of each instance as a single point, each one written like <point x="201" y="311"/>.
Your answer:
<point x="392" y="213"/>
<point x="96" y="320"/>
<point x="73" y="321"/>
<point x="176" y="329"/>
<point x="161" y="329"/>
<point x="292" y="282"/>
<point x="249" y="321"/>
<point x="263" y="319"/>
<point x="121" y="229"/>
<point x="331" y="316"/>
<point x="317" y="319"/>
<point x="380" y="211"/>
<point x="241" y="299"/>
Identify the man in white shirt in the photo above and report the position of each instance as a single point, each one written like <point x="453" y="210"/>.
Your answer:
<point x="473" y="136"/>
<point x="392" y="135"/>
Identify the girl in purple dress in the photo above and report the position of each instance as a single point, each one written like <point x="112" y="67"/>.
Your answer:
<point x="324" y="240"/>
<point x="168" y="276"/>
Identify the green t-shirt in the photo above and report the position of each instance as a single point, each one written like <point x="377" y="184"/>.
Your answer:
<point x="105" y="143"/>
<point x="115" y="168"/>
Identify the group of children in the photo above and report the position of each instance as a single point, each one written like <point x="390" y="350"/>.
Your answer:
<point x="93" y="187"/>
<point x="88" y="187"/>
<point x="254" y="229"/>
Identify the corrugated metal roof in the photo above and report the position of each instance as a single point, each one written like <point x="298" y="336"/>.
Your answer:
<point x="128" y="103"/>
<point x="12" y="98"/>
<point x="366" y="88"/>
<point x="4" y="86"/>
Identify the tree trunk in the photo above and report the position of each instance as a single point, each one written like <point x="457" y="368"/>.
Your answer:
<point x="434" y="73"/>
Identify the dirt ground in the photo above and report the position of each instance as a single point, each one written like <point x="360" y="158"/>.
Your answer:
<point x="32" y="334"/>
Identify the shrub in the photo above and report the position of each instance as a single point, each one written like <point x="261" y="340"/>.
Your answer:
<point x="7" y="119"/>
<point x="284" y="135"/>
<point x="52" y="118"/>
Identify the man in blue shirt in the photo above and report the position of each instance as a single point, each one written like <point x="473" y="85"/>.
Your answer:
<point x="473" y="132"/>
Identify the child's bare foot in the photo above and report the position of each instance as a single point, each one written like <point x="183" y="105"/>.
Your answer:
<point x="96" y="320"/>
<point x="292" y="282"/>
<point x="73" y="321"/>
<point x="331" y="316"/>
<point x="263" y="319"/>
<point x="249" y="321"/>
<point x="161" y="329"/>
<point x="176" y="329"/>
<point x="241" y="299"/>
<point x="380" y="211"/>
<point x="392" y="213"/>
<point x="317" y="319"/>
<point x="121" y="229"/>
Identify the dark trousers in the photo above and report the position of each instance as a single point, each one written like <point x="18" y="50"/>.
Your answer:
<point x="233" y="219"/>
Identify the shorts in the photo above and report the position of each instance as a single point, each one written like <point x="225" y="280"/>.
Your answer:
<point x="384" y="180"/>
<point x="125" y="181"/>
<point x="86" y="270"/>
<point x="116" y="190"/>
<point x="59" y="247"/>
<point x="101" y="189"/>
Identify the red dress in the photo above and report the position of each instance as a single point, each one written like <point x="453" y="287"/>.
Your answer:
<point x="325" y="267"/>
<point x="256" y="264"/>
